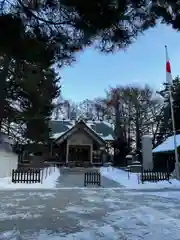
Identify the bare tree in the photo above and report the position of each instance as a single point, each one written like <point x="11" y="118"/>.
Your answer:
<point x="86" y="108"/>
<point x="100" y="109"/>
<point x="135" y="112"/>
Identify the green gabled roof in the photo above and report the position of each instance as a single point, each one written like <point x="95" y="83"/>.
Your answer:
<point x="103" y="129"/>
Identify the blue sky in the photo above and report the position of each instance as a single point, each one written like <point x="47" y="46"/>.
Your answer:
<point x="142" y="63"/>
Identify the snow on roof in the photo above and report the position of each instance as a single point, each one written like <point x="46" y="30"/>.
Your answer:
<point x="99" y="122"/>
<point x="57" y="135"/>
<point x="102" y="128"/>
<point x="168" y="144"/>
<point x="108" y="138"/>
<point x="135" y="162"/>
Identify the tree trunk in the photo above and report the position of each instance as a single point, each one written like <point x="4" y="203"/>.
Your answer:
<point x="138" y="134"/>
<point x="3" y="76"/>
<point x="117" y="120"/>
<point x="129" y="127"/>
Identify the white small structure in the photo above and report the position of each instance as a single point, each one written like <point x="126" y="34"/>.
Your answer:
<point x="167" y="145"/>
<point x="8" y="159"/>
<point x="147" y="152"/>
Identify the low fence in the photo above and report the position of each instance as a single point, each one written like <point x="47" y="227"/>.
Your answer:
<point x="93" y="178"/>
<point x="32" y="175"/>
<point x="26" y="175"/>
<point x="151" y="176"/>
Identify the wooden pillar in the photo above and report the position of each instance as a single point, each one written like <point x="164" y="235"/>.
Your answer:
<point x="91" y="153"/>
<point x="67" y="152"/>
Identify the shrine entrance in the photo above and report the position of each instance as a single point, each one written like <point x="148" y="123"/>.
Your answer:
<point x="79" y="153"/>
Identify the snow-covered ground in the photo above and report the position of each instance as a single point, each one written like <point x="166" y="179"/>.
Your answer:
<point x="99" y="214"/>
<point x="91" y="214"/>
<point x="48" y="180"/>
<point x="133" y="182"/>
<point x="165" y="194"/>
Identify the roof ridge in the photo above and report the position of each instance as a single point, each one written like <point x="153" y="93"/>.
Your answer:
<point x="102" y="128"/>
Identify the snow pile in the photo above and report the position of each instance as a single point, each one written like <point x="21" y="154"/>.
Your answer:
<point x="49" y="177"/>
<point x="50" y="181"/>
<point x="133" y="181"/>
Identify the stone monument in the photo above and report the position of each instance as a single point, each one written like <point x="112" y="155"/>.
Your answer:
<point x="147" y="152"/>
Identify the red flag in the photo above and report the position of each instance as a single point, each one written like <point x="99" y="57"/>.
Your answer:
<point x="168" y="68"/>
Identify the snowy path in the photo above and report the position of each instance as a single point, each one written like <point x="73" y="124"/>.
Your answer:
<point x="76" y="179"/>
<point x="88" y="214"/>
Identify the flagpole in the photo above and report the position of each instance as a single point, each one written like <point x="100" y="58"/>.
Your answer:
<point x="174" y="133"/>
<point x="173" y="126"/>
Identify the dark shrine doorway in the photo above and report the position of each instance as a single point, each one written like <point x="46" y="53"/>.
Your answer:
<point x="79" y="153"/>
